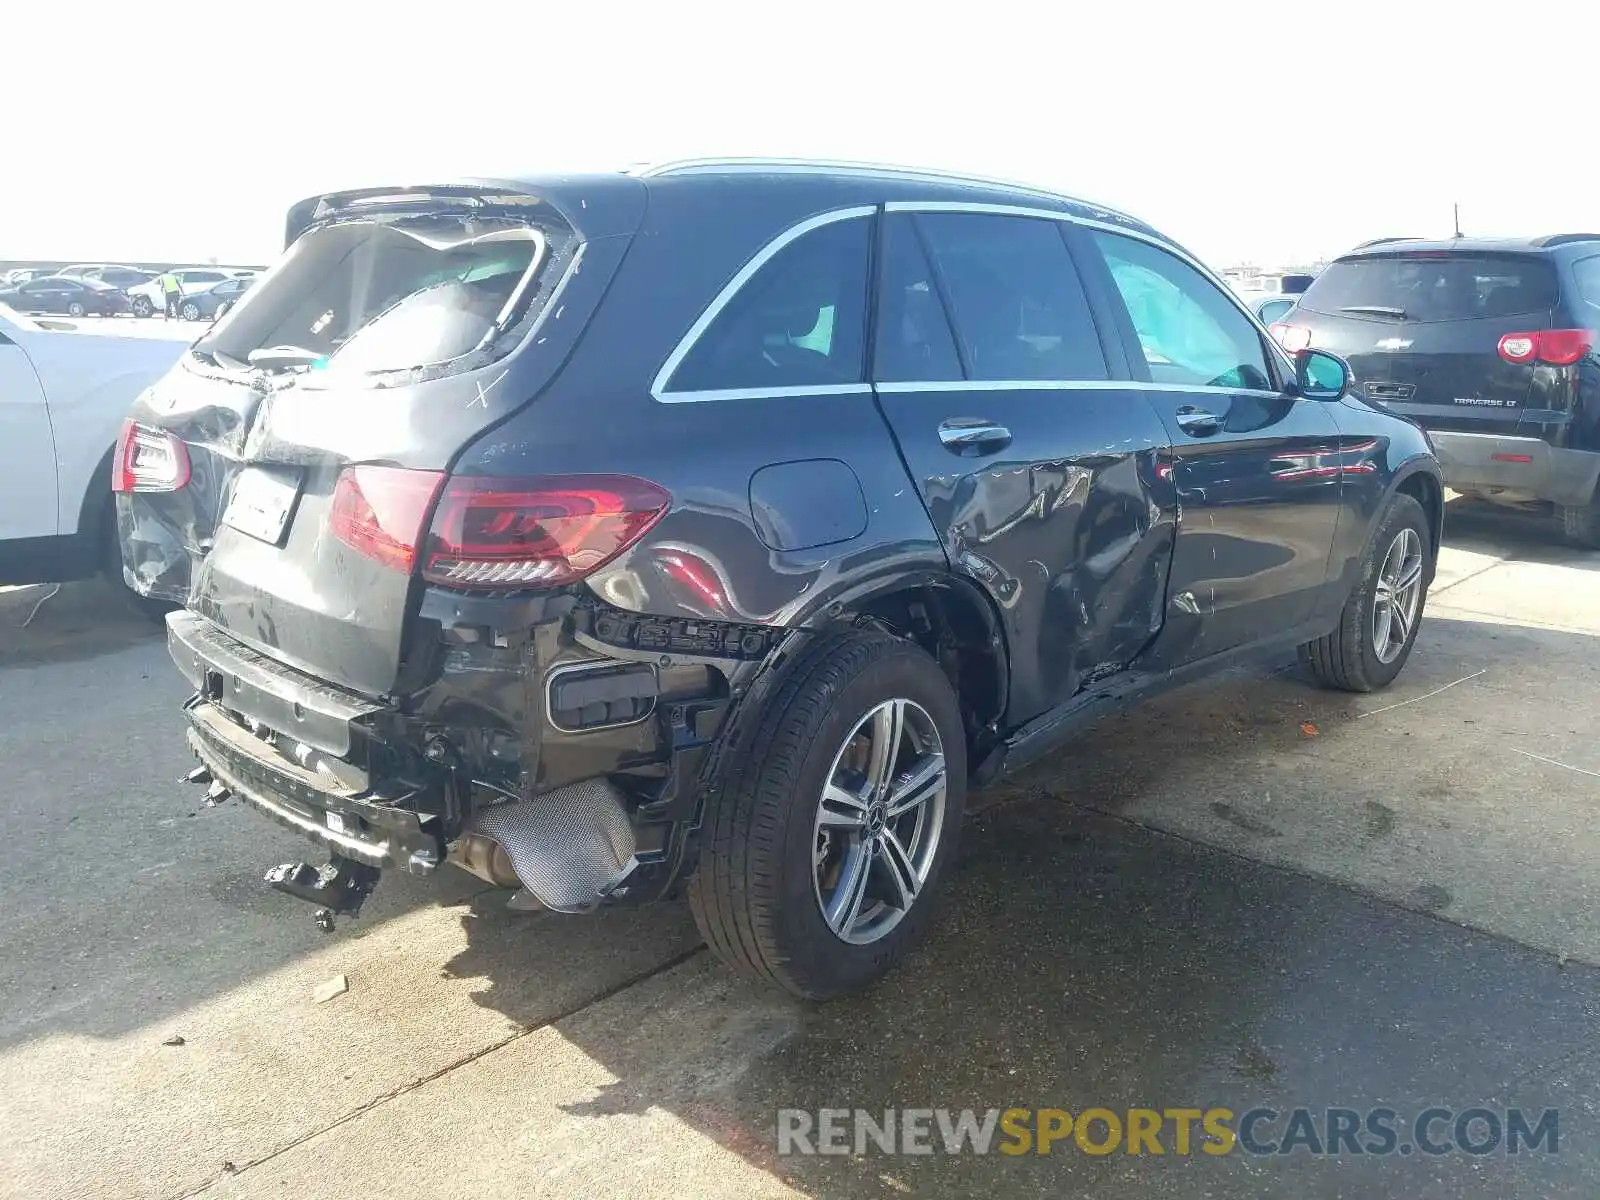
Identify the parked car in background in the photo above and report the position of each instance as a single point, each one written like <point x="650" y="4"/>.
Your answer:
<point x="63" y="397"/>
<point x="19" y="275"/>
<point x="121" y="277"/>
<point x="462" y="583"/>
<point x="1489" y="344"/>
<point x="215" y="300"/>
<point x="148" y="300"/>
<point x="65" y="294"/>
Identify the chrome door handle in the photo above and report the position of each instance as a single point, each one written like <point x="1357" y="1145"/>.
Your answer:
<point x="1197" y="422"/>
<point x="973" y="435"/>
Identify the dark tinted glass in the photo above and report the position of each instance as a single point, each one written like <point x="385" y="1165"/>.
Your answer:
<point x="1586" y="271"/>
<point x="799" y="321"/>
<point x="1189" y="330"/>
<point x="1017" y="302"/>
<point x="1434" y="286"/>
<point x="914" y="338"/>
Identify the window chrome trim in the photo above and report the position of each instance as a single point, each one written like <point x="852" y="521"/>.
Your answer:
<point x="1067" y="385"/>
<point x="758" y="393"/>
<point x="729" y="290"/>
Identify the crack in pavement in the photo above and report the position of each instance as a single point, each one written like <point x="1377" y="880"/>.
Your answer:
<point x="406" y="1089"/>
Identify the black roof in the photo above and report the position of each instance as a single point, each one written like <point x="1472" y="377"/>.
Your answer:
<point x="830" y="182"/>
<point x="1502" y="245"/>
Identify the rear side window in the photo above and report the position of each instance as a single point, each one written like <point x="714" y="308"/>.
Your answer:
<point x="914" y="339"/>
<point x="799" y="321"/>
<point x="1433" y="286"/>
<point x="1015" y="297"/>
<point x="1189" y="331"/>
<point x="1586" y="273"/>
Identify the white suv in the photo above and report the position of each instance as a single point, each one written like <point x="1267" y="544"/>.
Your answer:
<point x="147" y="298"/>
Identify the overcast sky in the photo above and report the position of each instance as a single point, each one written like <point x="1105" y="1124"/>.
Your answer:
<point x="1249" y="131"/>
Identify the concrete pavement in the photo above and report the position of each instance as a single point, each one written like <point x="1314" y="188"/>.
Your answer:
<point x="1250" y="892"/>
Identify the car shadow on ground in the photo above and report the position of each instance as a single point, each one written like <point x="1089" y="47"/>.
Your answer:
<point x="1478" y="527"/>
<point x="1085" y="960"/>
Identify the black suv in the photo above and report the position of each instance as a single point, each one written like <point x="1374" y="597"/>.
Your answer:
<point x="1487" y="344"/>
<point x="713" y="528"/>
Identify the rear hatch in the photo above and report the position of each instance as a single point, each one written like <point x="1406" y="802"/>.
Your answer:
<point x="1422" y="329"/>
<point x="320" y="417"/>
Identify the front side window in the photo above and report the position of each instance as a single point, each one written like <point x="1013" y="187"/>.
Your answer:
<point x="1189" y="331"/>
<point x="1018" y="306"/>
<point x="799" y="321"/>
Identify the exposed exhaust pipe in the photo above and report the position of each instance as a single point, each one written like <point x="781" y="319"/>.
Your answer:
<point x="485" y="858"/>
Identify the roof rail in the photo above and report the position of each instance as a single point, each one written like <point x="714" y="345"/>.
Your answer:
<point x="1562" y="239"/>
<point x="1383" y="241"/>
<point x="800" y="166"/>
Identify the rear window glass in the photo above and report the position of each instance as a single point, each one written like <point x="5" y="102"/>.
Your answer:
<point x="799" y="321"/>
<point x="387" y="294"/>
<point x="1586" y="271"/>
<point x="1433" y="286"/>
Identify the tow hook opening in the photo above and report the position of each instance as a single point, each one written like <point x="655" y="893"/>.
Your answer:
<point x="339" y="888"/>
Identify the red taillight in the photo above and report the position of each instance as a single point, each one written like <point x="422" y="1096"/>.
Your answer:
<point x="378" y="511"/>
<point x="513" y="533"/>
<point x="1558" y="347"/>
<point x="1293" y="338"/>
<point x="1512" y="458"/>
<point x="148" y="460"/>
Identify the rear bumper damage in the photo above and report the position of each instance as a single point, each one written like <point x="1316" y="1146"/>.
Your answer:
<point x="1517" y="468"/>
<point x="587" y="803"/>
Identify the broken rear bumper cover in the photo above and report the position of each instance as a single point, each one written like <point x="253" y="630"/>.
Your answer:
<point x="360" y="776"/>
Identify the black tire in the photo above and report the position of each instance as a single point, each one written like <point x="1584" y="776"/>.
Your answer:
<point x="1348" y="658"/>
<point x="76" y="309"/>
<point x="1582" y="524"/>
<point x="143" y="306"/>
<point x="190" y="311"/>
<point x="754" y="893"/>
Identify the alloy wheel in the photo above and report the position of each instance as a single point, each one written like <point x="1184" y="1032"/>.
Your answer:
<point x="879" y="821"/>
<point x="1398" y="597"/>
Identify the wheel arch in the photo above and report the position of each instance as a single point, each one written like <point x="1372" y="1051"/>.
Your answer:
<point x="954" y="621"/>
<point x="1421" y="480"/>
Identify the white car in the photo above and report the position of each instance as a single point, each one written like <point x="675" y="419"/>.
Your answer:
<point x="63" y="398"/>
<point x="147" y="297"/>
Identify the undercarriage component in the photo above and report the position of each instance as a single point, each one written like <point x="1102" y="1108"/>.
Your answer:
<point x="485" y="858"/>
<point x="568" y="847"/>
<point x="340" y="887"/>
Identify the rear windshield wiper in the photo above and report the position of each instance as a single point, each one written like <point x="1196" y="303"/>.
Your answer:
<point x="1377" y="310"/>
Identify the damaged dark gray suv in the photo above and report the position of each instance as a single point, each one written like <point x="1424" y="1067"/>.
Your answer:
<point x="713" y="528"/>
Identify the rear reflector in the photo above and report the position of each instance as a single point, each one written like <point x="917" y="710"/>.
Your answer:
<point x="148" y="460"/>
<point x="1512" y="458"/>
<point x="1293" y="338"/>
<point x="1558" y="347"/>
<point x="379" y="511"/>
<point x="515" y="533"/>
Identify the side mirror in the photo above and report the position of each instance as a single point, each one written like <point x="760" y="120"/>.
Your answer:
<point x="1319" y="375"/>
